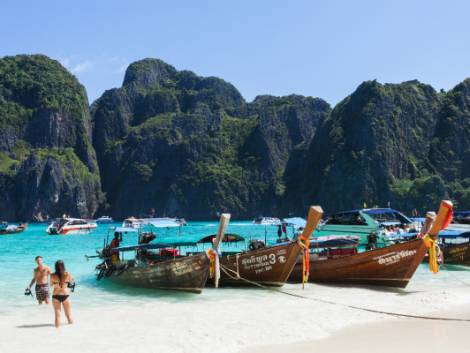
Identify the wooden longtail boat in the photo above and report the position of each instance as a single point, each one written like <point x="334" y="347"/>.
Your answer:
<point x="269" y="266"/>
<point x="6" y="229"/>
<point x="389" y="266"/>
<point x="185" y="273"/>
<point x="454" y="243"/>
<point x="165" y="269"/>
<point x="456" y="254"/>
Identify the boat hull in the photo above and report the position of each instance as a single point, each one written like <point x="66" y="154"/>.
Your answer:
<point x="72" y="230"/>
<point x="391" y="266"/>
<point x="270" y="266"/>
<point x="21" y="228"/>
<point x="187" y="274"/>
<point x="457" y="254"/>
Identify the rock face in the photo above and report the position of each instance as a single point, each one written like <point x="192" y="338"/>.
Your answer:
<point x="450" y="147"/>
<point x="191" y="146"/>
<point x="47" y="162"/>
<point x="374" y="138"/>
<point x="451" y="142"/>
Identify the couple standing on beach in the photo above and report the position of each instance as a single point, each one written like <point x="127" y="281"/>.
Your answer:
<point x="60" y="280"/>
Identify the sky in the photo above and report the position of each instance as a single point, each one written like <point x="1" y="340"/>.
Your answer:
<point x="317" y="48"/>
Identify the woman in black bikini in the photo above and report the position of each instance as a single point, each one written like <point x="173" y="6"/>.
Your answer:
<point x="61" y="281"/>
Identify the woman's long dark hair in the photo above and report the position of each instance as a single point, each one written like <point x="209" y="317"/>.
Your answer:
<point x="60" y="270"/>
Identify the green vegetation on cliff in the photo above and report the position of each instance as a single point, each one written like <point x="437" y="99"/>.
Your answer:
<point x="44" y="121"/>
<point x="192" y="146"/>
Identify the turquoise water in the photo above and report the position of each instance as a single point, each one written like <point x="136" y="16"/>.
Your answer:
<point x="17" y="253"/>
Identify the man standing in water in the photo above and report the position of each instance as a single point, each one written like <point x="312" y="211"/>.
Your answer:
<point x="41" y="277"/>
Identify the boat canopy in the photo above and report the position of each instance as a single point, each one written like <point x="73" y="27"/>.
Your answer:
<point x="124" y="229"/>
<point x="154" y="246"/>
<point x="228" y="238"/>
<point x="453" y="234"/>
<point x="333" y="241"/>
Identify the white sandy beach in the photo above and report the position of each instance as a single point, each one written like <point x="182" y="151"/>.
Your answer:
<point x="246" y="320"/>
<point x="404" y="335"/>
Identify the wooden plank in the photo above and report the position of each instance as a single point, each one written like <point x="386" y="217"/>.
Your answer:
<point x="223" y="223"/>
<point x="428" y="222"/>
<point x="445" y="209"/>
<point x="314" y="216"/>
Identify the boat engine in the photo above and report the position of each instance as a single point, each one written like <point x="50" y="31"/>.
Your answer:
<point x="256" y="244"/>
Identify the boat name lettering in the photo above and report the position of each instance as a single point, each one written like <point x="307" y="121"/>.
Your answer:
<point x="394" y="257"/>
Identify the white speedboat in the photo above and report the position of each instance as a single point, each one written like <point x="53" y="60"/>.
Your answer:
<point x="104" y="219"/>
<point x="267" y="221"/>
<point x="132" y="222"/>
<point x="162" y="222"/>
<point x="64" y="226"/>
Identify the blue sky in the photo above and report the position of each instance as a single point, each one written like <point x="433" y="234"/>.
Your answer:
<point x="318" y="48"/>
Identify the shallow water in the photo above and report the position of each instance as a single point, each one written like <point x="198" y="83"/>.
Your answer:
<point x="17" y="254"/>
<point x="148" y="318"/>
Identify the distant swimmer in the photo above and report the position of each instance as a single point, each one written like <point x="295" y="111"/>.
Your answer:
<point x="41" y="278"/>
<point x="62" y="281"/>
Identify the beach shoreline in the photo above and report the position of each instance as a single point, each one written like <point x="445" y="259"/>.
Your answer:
<point x="231" y="320"/>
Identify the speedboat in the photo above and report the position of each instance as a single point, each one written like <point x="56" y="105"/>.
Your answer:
<point x="6" y="228"/>
<point x="104" y="219"/>
<point x="366" y="222"/>
<point x="267" y="221"/>
<point x="132" y="222"/>
<point x="162" y="222"/>
<point x="64" y="226"/>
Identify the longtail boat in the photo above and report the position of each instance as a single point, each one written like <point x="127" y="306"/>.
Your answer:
<point x="269" y="266"/>
<point x="8" y="229"/>
<point x="158" y="266"/>
<point x="456" y="254"/>
<point x="455" y="246"/>
<point x="391" y="266"/>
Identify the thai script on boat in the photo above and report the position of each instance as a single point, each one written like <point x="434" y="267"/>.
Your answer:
<point x="265" y="262"/>
<point x="458" y="253"/>
<point x="182" y="268"/>
<point x="394" y="257"/>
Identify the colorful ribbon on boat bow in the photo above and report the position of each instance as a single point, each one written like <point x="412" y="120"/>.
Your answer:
<point x="443" y="219"/>
<point x="314" y="216"/>
<point x="431" y="244"/>
<point x="214" y="266"/>
<point x="305" y="261"/>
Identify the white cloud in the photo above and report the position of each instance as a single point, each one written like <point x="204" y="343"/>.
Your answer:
<point x="81" y="67"/>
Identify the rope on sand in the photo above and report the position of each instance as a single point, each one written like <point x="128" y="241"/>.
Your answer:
<point x="227" y="271"/>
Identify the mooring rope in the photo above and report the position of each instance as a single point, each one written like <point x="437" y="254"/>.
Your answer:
<point x="227" y="271"/>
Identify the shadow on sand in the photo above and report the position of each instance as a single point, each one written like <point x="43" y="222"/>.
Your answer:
<point x="35" y="326"/>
